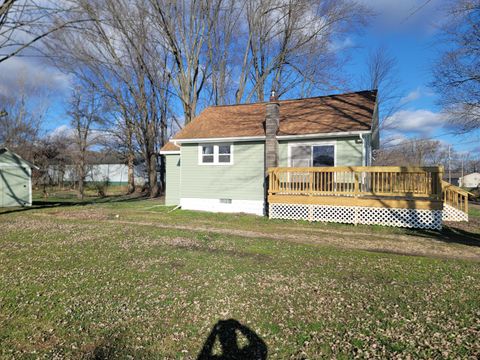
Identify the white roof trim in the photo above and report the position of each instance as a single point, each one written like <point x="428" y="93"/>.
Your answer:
<point x="323" y="135"/>
<point x="279" y="137"/>
<point x="169" y="152"/>
<point x="224" y="139"/>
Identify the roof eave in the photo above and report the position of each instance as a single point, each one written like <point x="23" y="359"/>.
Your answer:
<point x="279" y="137"/>
<point x="324" y="135"/>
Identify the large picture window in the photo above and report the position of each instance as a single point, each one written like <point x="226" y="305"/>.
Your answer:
<point x="210" y="154"/>
<point x="312" y="155"/>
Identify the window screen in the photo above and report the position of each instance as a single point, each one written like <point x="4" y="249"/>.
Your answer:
<point x="301" y="155"/>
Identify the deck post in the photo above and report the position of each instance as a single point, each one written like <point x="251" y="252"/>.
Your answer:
<point x="310" y="185"/>
<point x="356" y="190"/>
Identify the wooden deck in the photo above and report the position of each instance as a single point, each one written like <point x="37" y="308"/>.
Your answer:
<point x="414" y="197"/>
<point x="368" y="186"/>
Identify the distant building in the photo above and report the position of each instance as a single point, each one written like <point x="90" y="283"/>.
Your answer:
<point x="453" y="177"/>
<point x="113" y="174"/>
<point x="470" y="181"/>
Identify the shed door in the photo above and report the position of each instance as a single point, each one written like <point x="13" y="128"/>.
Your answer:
<point x="14" y="186"/>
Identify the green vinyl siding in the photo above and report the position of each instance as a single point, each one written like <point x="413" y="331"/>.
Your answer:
<point x="14" y="186"/>
<point x="15" y="180"/>
<point x="8" y="158"/>
<point x="243" y="180"/>
<point x="172" y="191"/>
<point x="347" y="151"/>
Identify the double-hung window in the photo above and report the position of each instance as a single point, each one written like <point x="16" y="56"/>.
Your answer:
<point x="213" y="154"/>
<point x="207" y="156"/>
<point x="307" y="155"/>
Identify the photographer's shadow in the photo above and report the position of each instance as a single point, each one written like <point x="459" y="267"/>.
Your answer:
<point x="227" y="332"/>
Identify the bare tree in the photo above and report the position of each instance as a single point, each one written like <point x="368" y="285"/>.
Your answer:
<point x="227" y="51"/>
<point x="85" y="110"/>
<point x="149" y="90"/>
<point x="19" y="128"/>
<point x="183" y="28"/>
<point x="381" y="74"/>
<point x="121" y="141"/>
<point x="115" y="53"/>
<point x="20" y="123"/>
<point x="50" y="157"/>
<point x="23" y="23"/>
<point x="152" y="56"/>
<point x="222" y="50"/>
<point x="415" y="152"/>
<point x="457" y="72"/>
<point x="289" y="45"/>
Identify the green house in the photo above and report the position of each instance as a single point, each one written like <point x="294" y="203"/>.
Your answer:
<point x="15" y="180"/>
<point x="218" y="162"/>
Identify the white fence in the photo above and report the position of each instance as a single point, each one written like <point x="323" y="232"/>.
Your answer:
<point x="115" y="174"/>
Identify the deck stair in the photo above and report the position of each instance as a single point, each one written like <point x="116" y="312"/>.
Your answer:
<point x="455" y="202"/>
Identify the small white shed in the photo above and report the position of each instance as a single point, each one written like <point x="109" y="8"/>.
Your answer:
<point x="15" y="179"/>
<point x="470" y="181"/>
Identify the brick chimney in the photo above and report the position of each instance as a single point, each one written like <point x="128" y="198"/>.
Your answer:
<point x="272" y="122"/>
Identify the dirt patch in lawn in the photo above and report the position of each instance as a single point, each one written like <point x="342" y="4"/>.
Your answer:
<point x="228" y="252"/>
<point x="448" y="244"/>
<point x="83" y="214"/>
<point x="425" y="244"/>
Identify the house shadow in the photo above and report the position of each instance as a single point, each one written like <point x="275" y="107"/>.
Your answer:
<point x="228" y="334"/>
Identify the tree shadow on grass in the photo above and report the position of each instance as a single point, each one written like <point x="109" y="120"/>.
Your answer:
<point x="450" y="234"/>
<point x="39" y="204"/>
<point x="229" y="335"/>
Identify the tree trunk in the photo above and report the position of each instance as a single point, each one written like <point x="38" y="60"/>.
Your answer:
<point x="81" y="178"/>
<point x="152" y="174"/>
<point x="130" y="155"/>
<point x="151" y="160"/>
<point x="131" y="174"/>
<point x="80" y="188"/>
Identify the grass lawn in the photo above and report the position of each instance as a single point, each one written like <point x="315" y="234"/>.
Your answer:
<point x="130" y="278"/>
<point x="475" y="211"/>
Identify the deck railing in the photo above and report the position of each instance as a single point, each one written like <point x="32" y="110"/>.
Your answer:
<point x="455" y="196"/>
<point x="358" y="181"/>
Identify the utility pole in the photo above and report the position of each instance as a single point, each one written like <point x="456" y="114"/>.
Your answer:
<point x="463" y="159"/>
<point x="449" y="165"/>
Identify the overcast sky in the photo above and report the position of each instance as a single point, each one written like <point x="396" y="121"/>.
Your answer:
<point x="410" y="37"/>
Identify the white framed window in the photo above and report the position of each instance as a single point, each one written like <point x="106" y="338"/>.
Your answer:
<point x="215" y="154"/>
<point x="207" y="155"/>
<point x="312" y="154"/>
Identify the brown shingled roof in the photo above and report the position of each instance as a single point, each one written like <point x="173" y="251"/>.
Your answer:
<point x="169" y="146"/>
<point x="325" y="114"/>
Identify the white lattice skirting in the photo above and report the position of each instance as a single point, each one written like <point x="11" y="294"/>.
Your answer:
<point x="452" y="214"/>
<point x="411" y="218"/>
